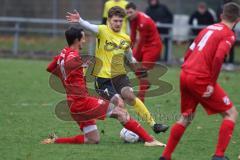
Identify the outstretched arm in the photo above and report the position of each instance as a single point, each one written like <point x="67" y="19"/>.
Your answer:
<point x="76" y="18"/>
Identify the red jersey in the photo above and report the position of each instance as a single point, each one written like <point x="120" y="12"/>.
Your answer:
<point x="147" y="30"/>
<point x="206" y="54"/>
<point x="68" y="67"/>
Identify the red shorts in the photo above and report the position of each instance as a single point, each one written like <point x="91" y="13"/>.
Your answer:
<point x="86" y="111"/>
<point x="150" y="55"/>
<point x="192" y="88"/>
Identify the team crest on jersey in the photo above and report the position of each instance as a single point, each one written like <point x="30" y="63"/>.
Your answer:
<point x="110" y="46"/>
<point x="226" y="100"/>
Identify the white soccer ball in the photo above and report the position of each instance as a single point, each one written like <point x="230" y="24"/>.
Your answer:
<point x="128" y="136"/>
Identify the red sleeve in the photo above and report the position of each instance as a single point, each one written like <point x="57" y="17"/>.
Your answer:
<point x="190" y="49"/>
<point x="187" y="54"/>
<point x="223" y="49"/>
<point x="142" y="38"/>
<point x="53" y="65"/>
<point x="133" y="35"/>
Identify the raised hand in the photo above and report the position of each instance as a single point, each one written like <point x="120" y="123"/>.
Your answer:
<point x="73" y="17"/>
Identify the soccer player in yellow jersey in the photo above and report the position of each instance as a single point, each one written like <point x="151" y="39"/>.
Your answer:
<point x="111" y="48"/>
<point x="112" y="3"/>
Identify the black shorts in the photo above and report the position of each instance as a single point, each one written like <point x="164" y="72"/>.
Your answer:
<point x="108" y="87"/>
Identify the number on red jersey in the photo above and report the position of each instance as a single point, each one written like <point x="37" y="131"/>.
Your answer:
<point x="202" y="43"/>
<point x="204" y="40"/>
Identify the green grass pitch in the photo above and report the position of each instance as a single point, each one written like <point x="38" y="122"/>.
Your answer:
<point x="27" y="116"/>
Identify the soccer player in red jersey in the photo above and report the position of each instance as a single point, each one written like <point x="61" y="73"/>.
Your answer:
<point x="85" y="110"/>
<point x="146" y="43"/>
<point x="198" y="82"/>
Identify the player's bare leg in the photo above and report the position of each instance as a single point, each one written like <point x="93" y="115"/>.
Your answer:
<point x="141" y="109"/>
<point x="120" y="113"/>
<point x="89" y="137"/>
<point x="91" y="134"/>
<point x="175" y="135"/>
<point x="225" y="133"/>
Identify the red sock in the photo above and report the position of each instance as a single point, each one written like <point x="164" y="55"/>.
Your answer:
<point x="79" y="139"/>
<point x="135" y="127"/>
<point x="225" y="135"/>
<point x="175" y="136"/>
<point x="143" y="87"/>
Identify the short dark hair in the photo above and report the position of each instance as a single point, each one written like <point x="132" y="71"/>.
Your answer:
<point x="116" y="11"/>
<point x="231" y="12"/>
<point x="131" y="5"/>
<point x="73" y="33"/>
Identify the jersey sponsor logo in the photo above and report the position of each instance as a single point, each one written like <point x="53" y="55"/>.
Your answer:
<point x="226" y="100"/>
<point x="110" y="46"/>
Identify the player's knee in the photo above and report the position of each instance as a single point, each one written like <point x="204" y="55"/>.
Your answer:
<point x="127" y="94"/>
<point x="91" y="135"/>
<point x="117" y="101"/>
<point x="231" y="114"/>
<point x="123" y="116"/>
<point x="184" y="123"/>
<point x="234" y="113"/>
<point x="185" y="120"/>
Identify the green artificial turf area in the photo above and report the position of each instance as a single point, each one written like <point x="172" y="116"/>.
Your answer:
<point x="27" y="116"/>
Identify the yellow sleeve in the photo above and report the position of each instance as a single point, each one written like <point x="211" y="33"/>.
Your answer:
<point x="100" y="30"/>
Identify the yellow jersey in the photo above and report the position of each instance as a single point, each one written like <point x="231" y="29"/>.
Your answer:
<point x="110" y="52"/>
<point x="111" y="3"/>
